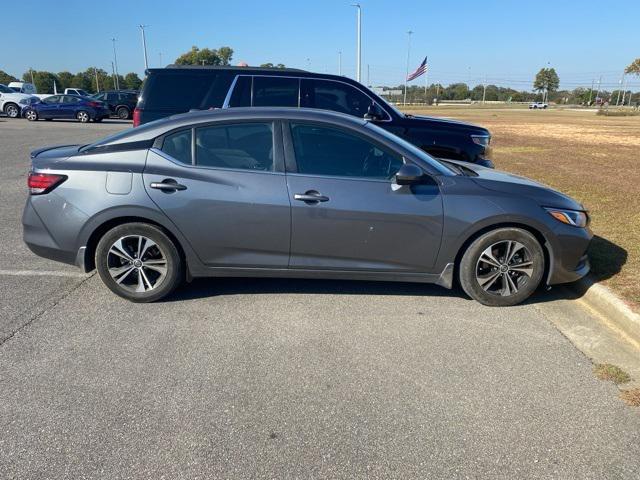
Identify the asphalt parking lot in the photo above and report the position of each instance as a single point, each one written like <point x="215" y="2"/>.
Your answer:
<point x="237" y="378"/>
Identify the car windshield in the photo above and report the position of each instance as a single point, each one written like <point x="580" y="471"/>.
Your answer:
<point x="5" y="89"/>
<point x="421" y="154"/>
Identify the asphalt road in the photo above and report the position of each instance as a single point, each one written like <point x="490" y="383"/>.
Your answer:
<point x="283" y="379"/>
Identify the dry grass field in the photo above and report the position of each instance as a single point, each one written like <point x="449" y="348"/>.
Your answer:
<point x="595" y="159"/>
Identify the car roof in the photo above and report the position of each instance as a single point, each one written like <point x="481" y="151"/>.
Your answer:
<point x="153" y="129"/>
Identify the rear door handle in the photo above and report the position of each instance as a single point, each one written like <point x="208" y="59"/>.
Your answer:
<point x="168" y="185"/>
<point x="310" y="196"/>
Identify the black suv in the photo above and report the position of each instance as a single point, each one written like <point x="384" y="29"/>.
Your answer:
<point x="178" y="89"/>
<point x="120" y="102"/>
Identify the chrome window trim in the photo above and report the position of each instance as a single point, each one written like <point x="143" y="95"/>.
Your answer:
<point x="233" y="84"/>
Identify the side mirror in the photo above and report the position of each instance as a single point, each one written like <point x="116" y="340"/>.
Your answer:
<point x="409" y="175"/>
<point x="374" y="112"/>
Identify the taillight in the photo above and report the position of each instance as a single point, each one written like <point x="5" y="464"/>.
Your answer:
<point x="136" y="116"/>
<point x="40" y="183"/>
<point x="94" y="104"/>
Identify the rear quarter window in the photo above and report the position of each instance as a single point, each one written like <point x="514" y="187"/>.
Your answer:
<point x="181" y="92"/>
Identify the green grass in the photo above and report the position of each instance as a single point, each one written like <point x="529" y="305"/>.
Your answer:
<point x="606" y="371"/>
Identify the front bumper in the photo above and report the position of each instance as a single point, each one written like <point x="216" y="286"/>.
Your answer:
<point x="569" y="260"/>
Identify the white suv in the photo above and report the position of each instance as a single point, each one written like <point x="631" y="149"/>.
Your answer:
<point x="11" y="102"/>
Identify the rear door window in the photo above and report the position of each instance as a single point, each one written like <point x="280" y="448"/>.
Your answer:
<point x="275" y="92"/>
<point x="246" y="146"/>
<point x="335" y="96"/>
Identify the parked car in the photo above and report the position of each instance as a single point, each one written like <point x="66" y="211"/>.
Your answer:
<point x="83" y="109"/>
<point x="11" y="103"/>
<point x="289" y="192"/>
<point x="178" y="89"/>
<point x="536" y="105"/>
<point x="23" y="87"/>
<point x="120" y="102"/>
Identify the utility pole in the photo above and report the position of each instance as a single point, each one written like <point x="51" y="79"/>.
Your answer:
<point x="340" y="62"/>
<point x="115" y="63"/>
<point x="359" y="42"/>
<point x="598" y="91"/>
<point x="406" y="79"/>
<point x="624" y="89"/>
<point x="144" y="45"/>
<point x="31" y="72"/>
<point x="619" y="88"/>
<point x="484" y="89"/>
<point x="590" y="92"/>
<point x="113" y="76"/>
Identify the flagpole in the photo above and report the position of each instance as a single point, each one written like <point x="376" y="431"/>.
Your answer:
<point x="406" y="79"/>
<point x="426" y="77"/>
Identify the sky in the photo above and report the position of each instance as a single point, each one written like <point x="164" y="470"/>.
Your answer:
<point x="498" y="41"/>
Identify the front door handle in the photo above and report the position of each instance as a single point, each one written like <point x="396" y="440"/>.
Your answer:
<point x="310" y="196"/>
<point x="168" y="185"/>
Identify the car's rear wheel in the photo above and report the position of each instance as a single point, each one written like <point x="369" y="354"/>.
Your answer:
<point x="12" y="110"/>
<point x="502" y="267"/>
<point x="31" y="115"/>
<point x="139" y="262"/>
<point x="83" y="117"/>
<point x="123" y="113"/>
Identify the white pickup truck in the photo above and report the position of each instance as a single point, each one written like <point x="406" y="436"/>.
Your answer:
<point x="11" y="102"/>
<point x="535" y="105"/>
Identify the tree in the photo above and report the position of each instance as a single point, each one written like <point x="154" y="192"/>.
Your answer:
<point x="546" y="80"/>
<point x="43" y="80"/>
<point x="205" y="56"/>
<point x="65" y="80"/>
<point x="271" y="65"/>
<point x="634" y="68"/>
<point x="5" y="78"/>
<point x="132" y="81"/>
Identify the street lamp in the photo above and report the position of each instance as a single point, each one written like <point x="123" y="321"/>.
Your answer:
<point x="406" y="79"/>
<point x="144" y="46"/>
<point x="359" y="42"/>
<point x="115" y="63"/>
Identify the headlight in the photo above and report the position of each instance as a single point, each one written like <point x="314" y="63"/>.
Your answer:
<point x="25" y="101"/>
<point x="574" y="218"/>
<point x="481" y="140"/>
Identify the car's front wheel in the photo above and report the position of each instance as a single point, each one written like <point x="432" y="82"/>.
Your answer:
<point x="139" y="262"/>
<point x="31" y="115"/>
<point x="502" y="267"/>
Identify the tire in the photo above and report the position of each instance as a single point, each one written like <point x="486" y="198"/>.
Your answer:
<point x="488" y="276"/>
<point x="98" y="120"/>
<point x="83" y="117"/>
<point x="123" y="113"/>
<point x="135" y="278"/>
<point x="12" y="110"/>
<point x="31" y="115"/>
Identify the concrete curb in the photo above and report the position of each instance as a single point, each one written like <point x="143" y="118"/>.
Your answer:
<point x="608" y="305"/>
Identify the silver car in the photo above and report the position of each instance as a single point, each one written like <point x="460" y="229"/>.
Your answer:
<point x="278" y="192"/>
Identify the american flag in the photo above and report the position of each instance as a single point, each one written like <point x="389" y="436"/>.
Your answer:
<point x="419" y="71"/>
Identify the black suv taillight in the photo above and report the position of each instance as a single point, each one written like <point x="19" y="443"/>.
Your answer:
<point x="40" y="183"/>
<point x="136" y="116"/>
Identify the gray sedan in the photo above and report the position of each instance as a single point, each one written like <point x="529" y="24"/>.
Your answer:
<point x="277" y="192"/>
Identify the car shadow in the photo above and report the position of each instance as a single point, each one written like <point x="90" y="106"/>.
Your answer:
<point x="606" y="257"/>
<point x="211" y="287"/>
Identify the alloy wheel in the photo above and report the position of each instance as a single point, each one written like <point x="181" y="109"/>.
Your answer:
<point x="504" y="268"/>
<point x="12" y="111"/>
<point x="83" y="117"/>
<point x="31" y="115"/>
<point x="137" y="263"/>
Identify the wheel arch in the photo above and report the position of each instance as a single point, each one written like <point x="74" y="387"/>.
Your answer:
<point x="537" y="233"/>
<point x="98" y="231"/>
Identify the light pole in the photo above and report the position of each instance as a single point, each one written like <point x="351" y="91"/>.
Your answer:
<point x="359" y="43"/>
<point x="144" y="45"/>
<point x="115" y="63"/>
<point x="160" y="55"/>
<point x="340" y="62"/>
<point x="406" y="79"/>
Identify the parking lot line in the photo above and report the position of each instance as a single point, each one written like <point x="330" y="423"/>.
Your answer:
<point x="41" y="273"/>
